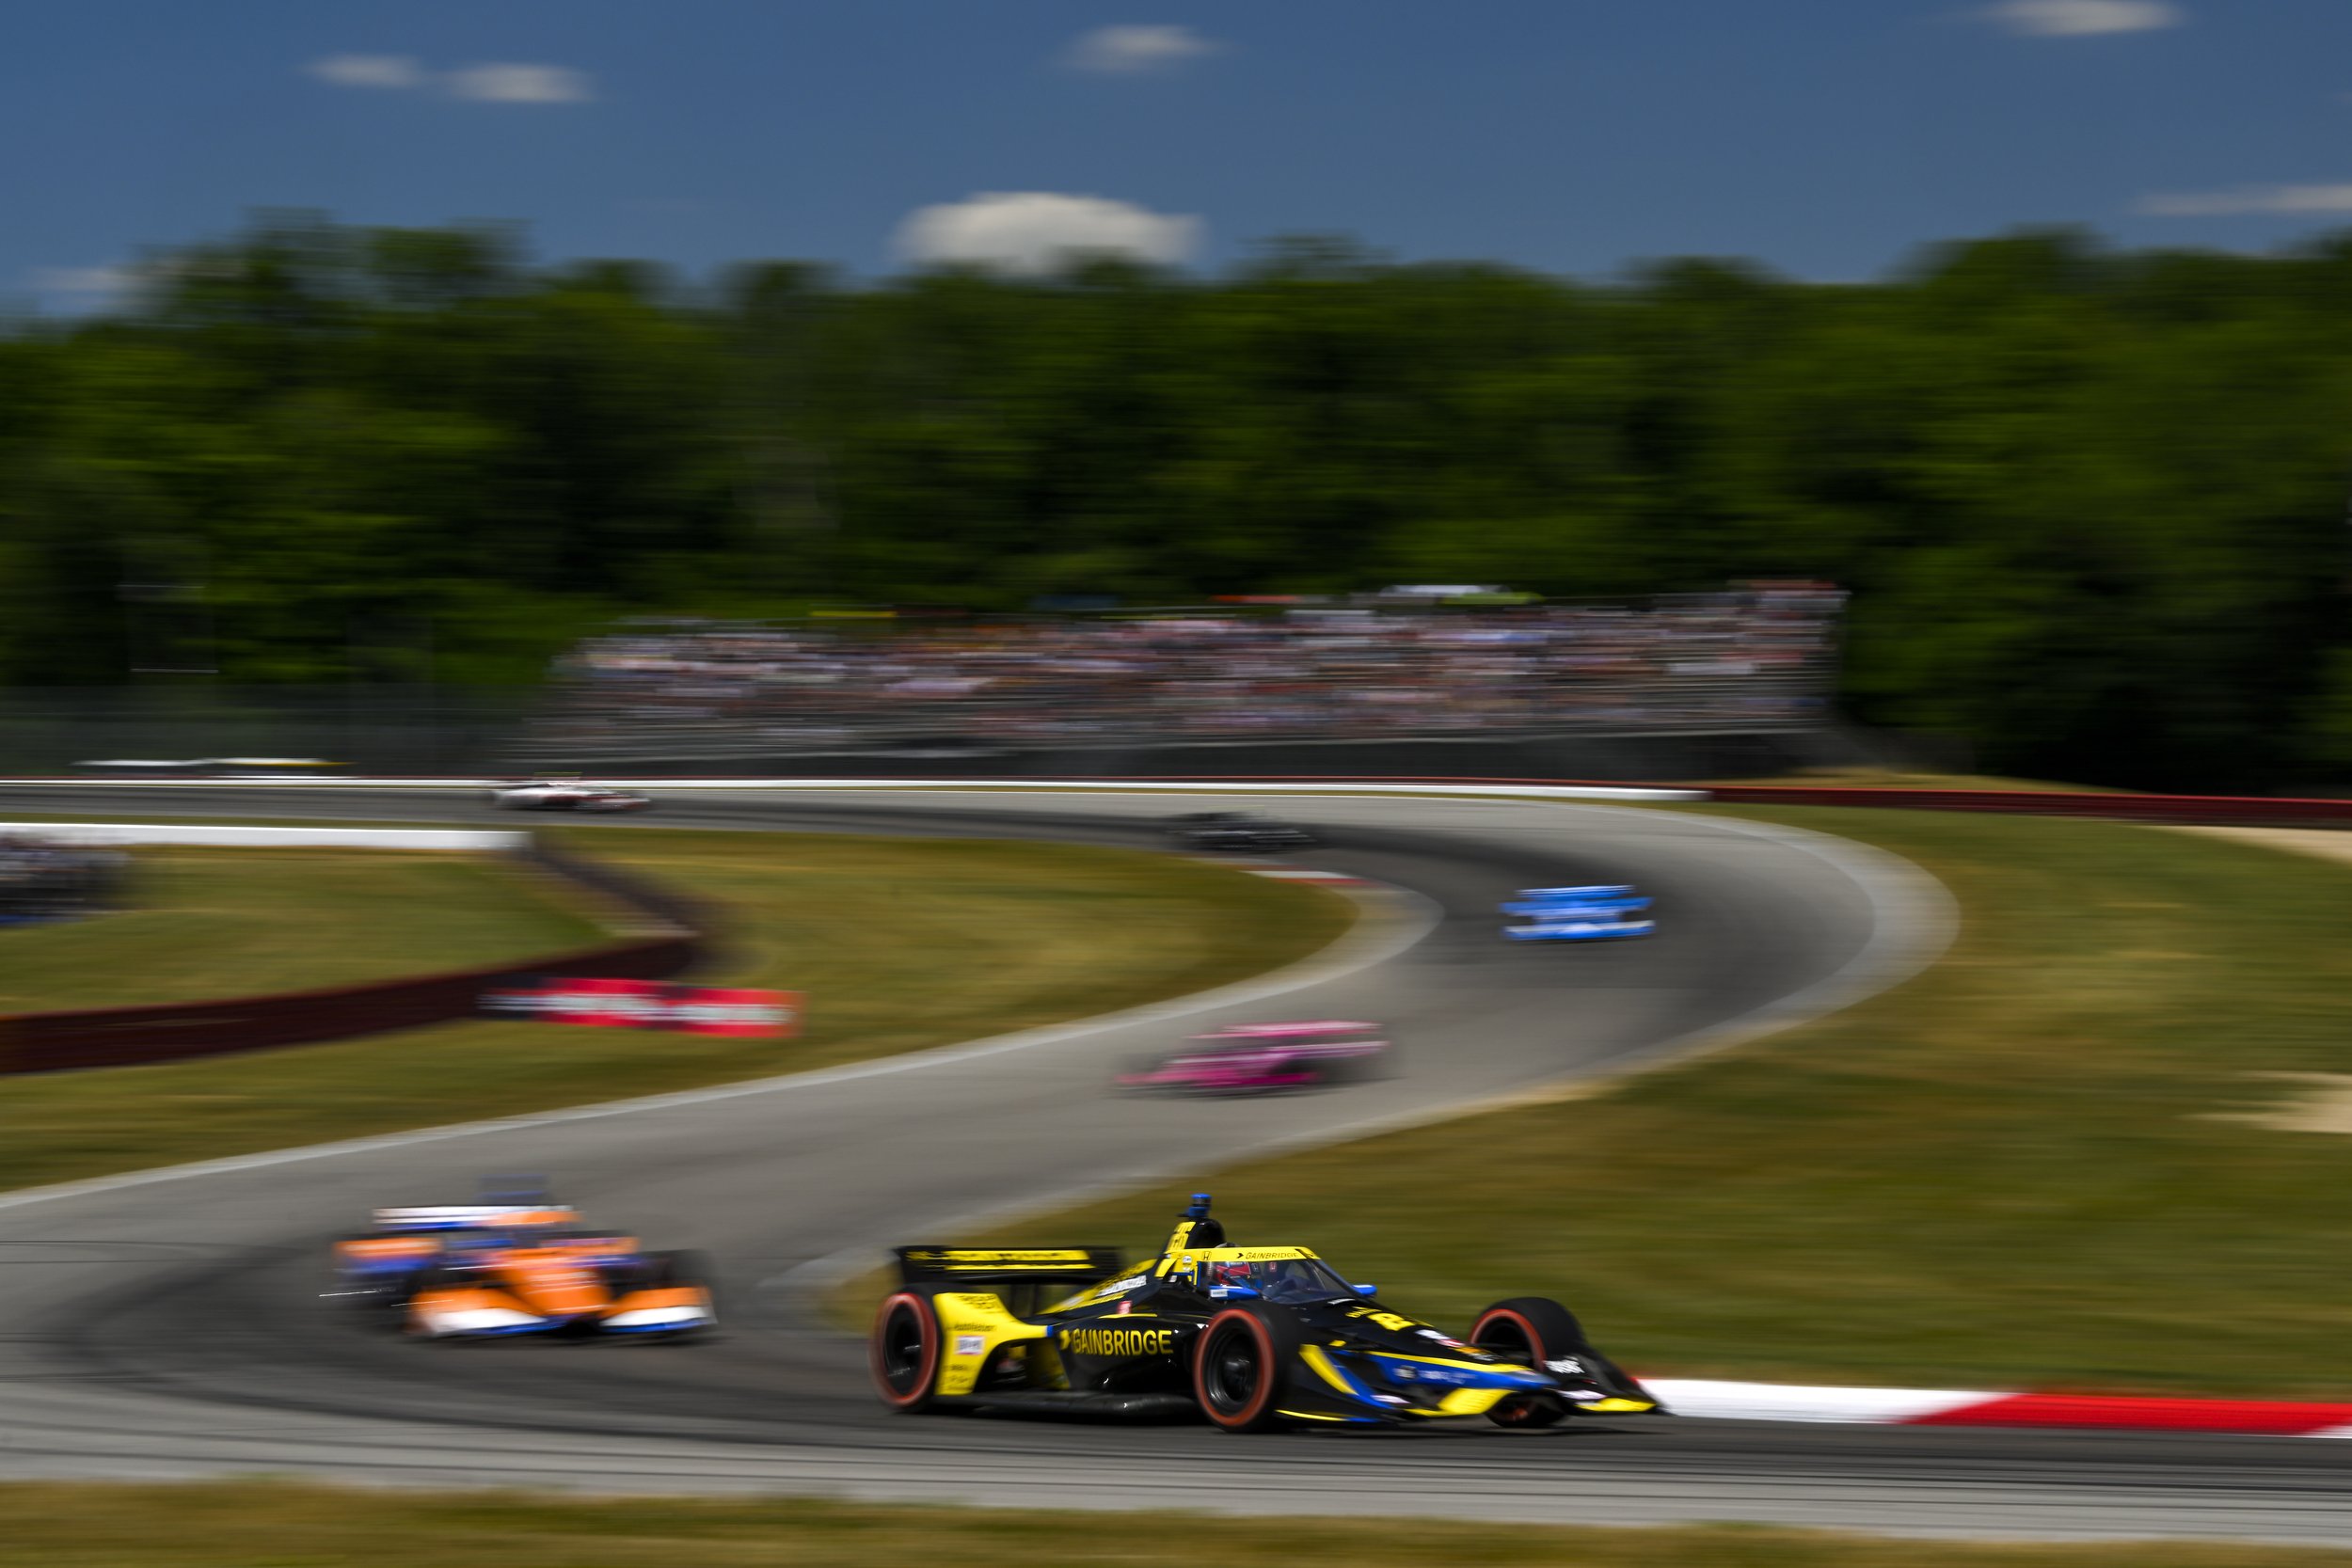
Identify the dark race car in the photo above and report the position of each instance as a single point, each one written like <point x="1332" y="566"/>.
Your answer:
<point x="1235" y="833"/>
<point x="1251" y="1338"/>
<point x="515" y="1263"/>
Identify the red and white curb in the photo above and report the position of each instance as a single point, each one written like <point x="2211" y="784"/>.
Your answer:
<point x="1300" y="874"/>
<point x="1959" y="1407"/>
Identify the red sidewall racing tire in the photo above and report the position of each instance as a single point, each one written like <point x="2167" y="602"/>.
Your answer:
<point x="903" y="1351"/>
<point x="1232" y="1339"/>
<point x="1531" y="1330"/>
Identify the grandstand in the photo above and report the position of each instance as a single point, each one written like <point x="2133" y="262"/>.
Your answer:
<point x="1752" y="659"/>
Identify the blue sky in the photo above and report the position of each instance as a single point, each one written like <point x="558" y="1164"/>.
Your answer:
<point x="1825" y="138"/>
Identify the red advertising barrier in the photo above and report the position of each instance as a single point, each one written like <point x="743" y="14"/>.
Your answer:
<point x="173" y="1031"/>
<point x="652" y="1005"/>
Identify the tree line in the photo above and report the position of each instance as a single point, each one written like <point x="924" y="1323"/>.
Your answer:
<point x="2092" y="504"/>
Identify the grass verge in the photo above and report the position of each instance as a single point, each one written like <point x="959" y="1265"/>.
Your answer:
<point x="900" y="943"/>
<point x="207" y="923"/>
<point x="2001" y="1175"/>
<point x="240" y="1523"/>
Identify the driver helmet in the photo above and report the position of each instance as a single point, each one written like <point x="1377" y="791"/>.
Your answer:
<point x="1229" y="1273"/>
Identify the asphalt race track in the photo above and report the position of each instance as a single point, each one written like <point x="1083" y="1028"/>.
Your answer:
<point x="169" y="1327"/>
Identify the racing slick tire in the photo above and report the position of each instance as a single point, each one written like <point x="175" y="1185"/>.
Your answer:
<point x="1241" y="1364"/>
<point x="434" y="1276"/>
<point x="903" y="1351"/>
<point x="683" y="1270"/>
<point x="1530" y="1330"/>
<point x="380" y="1303"/>
<point x="1358" y="1069"/>
<point x="390" y="1312"/>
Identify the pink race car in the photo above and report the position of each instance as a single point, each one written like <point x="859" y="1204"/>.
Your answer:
<point x="1262" y="1058"/>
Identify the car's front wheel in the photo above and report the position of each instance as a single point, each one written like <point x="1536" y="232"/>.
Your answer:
<point x="904" y="1353"/>
<point x="1240" y="1367"/>
<point x="1534" y="1331"/>
<point x="1529" y="1330"/>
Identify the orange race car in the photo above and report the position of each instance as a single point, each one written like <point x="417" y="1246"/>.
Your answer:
<point x="517" y="1262"/>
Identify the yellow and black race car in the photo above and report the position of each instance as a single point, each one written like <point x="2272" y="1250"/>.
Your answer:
<point x="1252" y="1337"/>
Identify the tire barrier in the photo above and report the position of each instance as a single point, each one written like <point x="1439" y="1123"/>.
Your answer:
<point x="177" y="1031"/>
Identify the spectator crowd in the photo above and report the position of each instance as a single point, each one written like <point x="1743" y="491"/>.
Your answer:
<point x="1752" y="656"/>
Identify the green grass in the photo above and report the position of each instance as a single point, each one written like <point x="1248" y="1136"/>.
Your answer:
<point x="1997" y="1176"/>
<point x="205" y="923"/>
<point x="898" y="943"/>
<point x="240" y="1525"/>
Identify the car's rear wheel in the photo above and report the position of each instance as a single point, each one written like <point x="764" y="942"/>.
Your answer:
<point x="1532" y="1331"/>
<point x="1240" y="1367"/>
<point x="904" y="1353"/>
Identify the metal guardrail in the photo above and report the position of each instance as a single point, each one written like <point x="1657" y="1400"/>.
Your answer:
<point x="177" y="1031"/>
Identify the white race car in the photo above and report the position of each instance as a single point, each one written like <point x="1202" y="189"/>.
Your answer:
<point x="564" y="794"/>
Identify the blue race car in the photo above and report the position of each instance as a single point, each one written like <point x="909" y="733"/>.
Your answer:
<point x="1598" y="913"/>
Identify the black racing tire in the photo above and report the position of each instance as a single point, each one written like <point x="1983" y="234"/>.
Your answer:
<point x="680" y="1269"/>
<point x="1240" y="1366"/>
<point x="685" y="1269"/>
<point x="380" y="1303"/>
<point x="433" y="1276"/>
<point x="1525" y="1412"/>
<point x="903" y="1351"/>
<point x="1530" y="1330"/>
<point x="393" y="1311"/>
<point x="1136" y="1067"/>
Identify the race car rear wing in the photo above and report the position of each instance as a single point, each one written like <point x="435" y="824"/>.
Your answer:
<point x="1070" y="1266"/>
<point x="469" y="1216"/>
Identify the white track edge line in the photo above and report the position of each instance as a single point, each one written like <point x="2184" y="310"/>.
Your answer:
<point x="1903" y="942"/>
<point x="1392" y="922"/>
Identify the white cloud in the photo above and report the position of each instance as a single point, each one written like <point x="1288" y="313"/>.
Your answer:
<point x="1132" y="50"/>
<point x="2251" y="198"/>
<point x="2085" y="18"/>
<point x="85" y="289"/>
<point x="367" y="70"/>
<point x="485" y="84"/>
<point x="1035" y="233"/>
<point x="85" y="281"/>
<point x="520" y="83"/>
